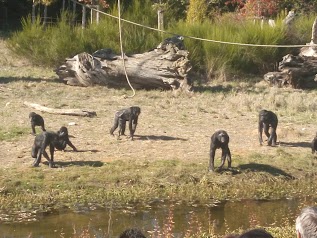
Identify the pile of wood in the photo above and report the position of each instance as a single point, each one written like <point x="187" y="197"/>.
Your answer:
<point x="165" y="67"/>
<point x="297" y="71"/>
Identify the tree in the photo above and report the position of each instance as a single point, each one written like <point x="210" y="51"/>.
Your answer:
<point x="261" y="8"/>
<point x="197" y="11"/>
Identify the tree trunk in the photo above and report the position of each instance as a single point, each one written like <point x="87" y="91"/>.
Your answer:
<point x="294" y="71"/>
<point x="297" y="71"/>
<point x="165" y="67"/>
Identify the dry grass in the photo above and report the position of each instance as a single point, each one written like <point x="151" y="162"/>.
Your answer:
<point x="172" y="128"/>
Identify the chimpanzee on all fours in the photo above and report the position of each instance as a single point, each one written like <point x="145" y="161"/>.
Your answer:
<point x="268" y="119"/>
<point x="314" y="144"/>
<point x="54" y="140"/>
<point x="63" y="140"/>
<point x="131" y="115"/>
<point x="36" y="120"/>
<point x="220" y="139"/>
<point x="41" y="141"/>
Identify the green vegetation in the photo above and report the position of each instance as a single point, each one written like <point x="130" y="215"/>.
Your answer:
<point x="12" y="133"/>
<point x="50" y="45"/>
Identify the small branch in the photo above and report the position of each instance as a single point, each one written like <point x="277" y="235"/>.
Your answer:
<point x="69" y="112"/>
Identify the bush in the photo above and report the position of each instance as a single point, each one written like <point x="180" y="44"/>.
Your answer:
<point x="51" y="45"/>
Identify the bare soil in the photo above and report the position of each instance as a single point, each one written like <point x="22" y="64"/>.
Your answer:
<point x="171" y="125"/>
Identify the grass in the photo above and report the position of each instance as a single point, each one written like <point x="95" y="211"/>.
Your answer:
<point x="49" y="46"/>
<point x="168" y="159"/>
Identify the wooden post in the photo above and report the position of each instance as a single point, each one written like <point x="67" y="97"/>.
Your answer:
<point x="74" y="12"/>
<point x="83" y="20"/>
<point x="160" y="19"/>
<point x="63" y="5"/>
<point x="97" y="14"/>
<point x="91" y="15"/>
<point x="45" y="15"/>
<point x="33" y="12"/>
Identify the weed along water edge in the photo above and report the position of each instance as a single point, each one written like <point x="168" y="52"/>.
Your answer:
<point x="217" y="219"/>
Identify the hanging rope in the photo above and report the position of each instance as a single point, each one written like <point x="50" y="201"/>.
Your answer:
<point x="122" y="53"/>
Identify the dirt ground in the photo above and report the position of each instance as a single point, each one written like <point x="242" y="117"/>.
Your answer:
<point x="171" y="126"/>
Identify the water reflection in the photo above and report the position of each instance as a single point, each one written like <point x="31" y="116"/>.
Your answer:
<point x="221" y="217"/>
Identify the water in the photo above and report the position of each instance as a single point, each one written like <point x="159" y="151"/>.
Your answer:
<point x="217" y="217"/>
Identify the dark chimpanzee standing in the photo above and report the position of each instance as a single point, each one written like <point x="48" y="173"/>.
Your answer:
<point x="268" y="119"/>
<point x="220" y="139"/>
<point x="36" y="120"/>
<point x="63" y="139"/>
<point x="132" y="233"/>
<point x="130" y="114"/>
<point x="41" y="141"/>
<point x="314" y="144"/>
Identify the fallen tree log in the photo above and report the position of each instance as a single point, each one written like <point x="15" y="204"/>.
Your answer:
<point x="294" y="71"/>
<point x="297" y="71"/>
<point x="69" y="112"/>
<point x="165" y="67"/>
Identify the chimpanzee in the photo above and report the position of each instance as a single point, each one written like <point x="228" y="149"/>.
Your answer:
<point x="41" y="141"/>
<point x="130" y="114"/>
<point x="220" y="139"/>
<point x="36" y="120"/>
<point x="132" y="233"/>
<point x="268" y="119"/>
<point x="63" y="139"/>
<point x="314" y="144"/>
<point x="176" y="40"/>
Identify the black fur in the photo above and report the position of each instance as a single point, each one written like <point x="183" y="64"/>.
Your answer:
<point x="131" y="115"/>
<point x="268" y="119"/>
<point x="41" y="141"/>
<point x="63" y="139"/>
<point x="36" y="120"/>
<point x="220" y="139"/>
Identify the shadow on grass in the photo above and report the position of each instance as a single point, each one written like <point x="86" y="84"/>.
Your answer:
<point x="296" y="144"/>
<point x="152" y="137"/>
<point x="254" y="167"/>
<point x="80" y="151"/>
<point x="213" y="89"/>
<point x="6" y="80"/>
<point x="77" y="163"/>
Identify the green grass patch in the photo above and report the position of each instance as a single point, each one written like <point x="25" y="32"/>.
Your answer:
<point x="50" y="45"/>
<point x="13" y="133"/>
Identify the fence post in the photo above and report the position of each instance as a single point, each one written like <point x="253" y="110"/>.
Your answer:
<point x="33" y="12"/>
<point x="45" y="15"/>
<point x="74" y="12"/>
<point x="83" y="20"/>
<point x="97" y="14"/>
<point x="160" y="19"/>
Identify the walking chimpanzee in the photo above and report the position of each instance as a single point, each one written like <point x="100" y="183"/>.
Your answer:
<point x="41" y="141"/>
<point x="131" y="115"/>
<point x="220" y="139"/>
<point x="314" y="144"/>
<point x="36" y="120"/>
<point x="268" y="119"/>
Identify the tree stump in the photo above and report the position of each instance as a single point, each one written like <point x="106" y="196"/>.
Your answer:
<point x="165" y="67"/>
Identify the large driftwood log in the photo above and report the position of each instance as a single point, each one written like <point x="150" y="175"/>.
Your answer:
<point x="294" y="71"/>
<point x="164" y="67"/>
<point x="70" y="112"/>
<point x="297" y="71"/>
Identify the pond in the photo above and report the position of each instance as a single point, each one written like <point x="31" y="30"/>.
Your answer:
<point x="217" y="217"/>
